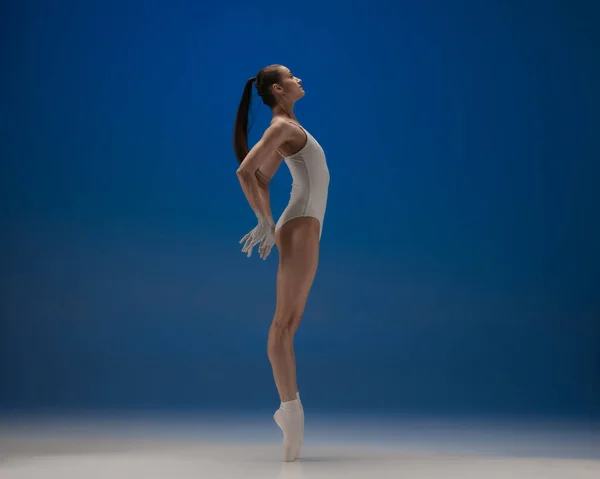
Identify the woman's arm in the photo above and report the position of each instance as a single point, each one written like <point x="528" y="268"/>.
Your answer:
<point x="262" y="155"/>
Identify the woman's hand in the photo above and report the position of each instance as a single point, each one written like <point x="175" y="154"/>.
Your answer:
<point x="263" y="235"/>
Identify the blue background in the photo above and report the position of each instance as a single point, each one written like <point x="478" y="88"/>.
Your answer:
<point x="459" y="259"/>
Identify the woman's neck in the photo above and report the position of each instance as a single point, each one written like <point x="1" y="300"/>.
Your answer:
<point x="284" y="110"/>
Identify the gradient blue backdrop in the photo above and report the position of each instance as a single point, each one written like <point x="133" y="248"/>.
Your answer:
<point x="459" y="261"/>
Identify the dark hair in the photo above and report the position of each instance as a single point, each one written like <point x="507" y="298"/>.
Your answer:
<point x="265" y="78"/>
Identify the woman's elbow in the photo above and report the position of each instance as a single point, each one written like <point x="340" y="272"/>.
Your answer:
<point x="243" y="174"/>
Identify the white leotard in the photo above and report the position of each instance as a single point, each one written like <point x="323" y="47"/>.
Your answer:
<point x="310" y="183"/>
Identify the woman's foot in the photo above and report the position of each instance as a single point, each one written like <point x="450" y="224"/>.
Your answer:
<point x="290" y="418"/>
<point x="302" y="428"/>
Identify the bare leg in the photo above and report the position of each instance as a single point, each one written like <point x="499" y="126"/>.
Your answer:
<point x="298" y="245"/>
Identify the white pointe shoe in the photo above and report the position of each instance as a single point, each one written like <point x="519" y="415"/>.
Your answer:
<point x="290" y="422"/>
<point x="301" y="440"/>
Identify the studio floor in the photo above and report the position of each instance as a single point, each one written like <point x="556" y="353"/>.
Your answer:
<point x="225" y="446"/>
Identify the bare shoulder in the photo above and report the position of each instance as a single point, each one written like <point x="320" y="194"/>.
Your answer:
<point x="264" y="154"/>
<point x="280" y="128"/>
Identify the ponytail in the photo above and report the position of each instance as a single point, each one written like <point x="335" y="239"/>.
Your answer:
<point x="240" y="130"/>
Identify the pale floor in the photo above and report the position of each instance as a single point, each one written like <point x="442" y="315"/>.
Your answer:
<point x="219" y="447"/>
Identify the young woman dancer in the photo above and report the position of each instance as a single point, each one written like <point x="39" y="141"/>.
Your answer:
<point x="297" y="233"/>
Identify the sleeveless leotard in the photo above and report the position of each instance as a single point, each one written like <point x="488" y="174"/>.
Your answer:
<point x="310" y="183"/>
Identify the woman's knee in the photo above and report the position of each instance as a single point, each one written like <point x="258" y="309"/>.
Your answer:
<point x="285" y="322"/>
<point x="281" y="338"/>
